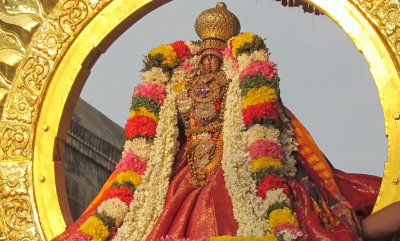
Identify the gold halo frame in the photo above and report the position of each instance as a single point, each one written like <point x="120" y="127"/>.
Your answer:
<point x="49" y="79"/>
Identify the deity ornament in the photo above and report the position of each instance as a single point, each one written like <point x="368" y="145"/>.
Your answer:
<point x="215" y="26"/>
<point x="213" y="154"/>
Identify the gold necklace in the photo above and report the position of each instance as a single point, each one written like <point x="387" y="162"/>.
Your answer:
<point x="205" y="90"/>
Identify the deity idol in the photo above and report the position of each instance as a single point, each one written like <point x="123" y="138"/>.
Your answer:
<point x="212" y="154"/>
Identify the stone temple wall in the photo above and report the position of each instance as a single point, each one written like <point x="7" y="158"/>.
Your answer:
<point x="92" y="149"/>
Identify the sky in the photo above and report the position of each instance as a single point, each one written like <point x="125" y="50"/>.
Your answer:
<point x="325" y="80"/>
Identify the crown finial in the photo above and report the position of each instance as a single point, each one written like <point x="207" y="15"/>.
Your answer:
<point x="216" y="25"/>
<point x="221" y="5"/>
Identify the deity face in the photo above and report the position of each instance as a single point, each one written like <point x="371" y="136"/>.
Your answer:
<point x="210" y="64"/>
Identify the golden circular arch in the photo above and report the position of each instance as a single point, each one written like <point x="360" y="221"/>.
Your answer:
<point x="49" y="79"/>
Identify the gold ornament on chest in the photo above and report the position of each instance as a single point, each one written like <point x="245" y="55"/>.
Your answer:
<point x="205" y="91"/>
<point x="204" y="156"/>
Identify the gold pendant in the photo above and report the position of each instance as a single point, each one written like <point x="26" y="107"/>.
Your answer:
<point x="205" y="111"/>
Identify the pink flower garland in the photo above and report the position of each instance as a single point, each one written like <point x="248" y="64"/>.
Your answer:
<point x="227" y="54"/>
<point x="264" y="148"/>
<point x="153" y="91"/>
<point x="266" y="68"/>
<point x="131" y="162"/>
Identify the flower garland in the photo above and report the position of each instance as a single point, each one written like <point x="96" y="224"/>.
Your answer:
<point x="150" y="195"/>
<point x="256" y="151"/>
<point x="270" y="217"/>
<point x="259" y="90"/>
<point x="289" y="145"/>
<point x="150" y="140"/>
<point x="161" y="61"/>
<point x="246" y="206"/>
<point x="115" y="200"/>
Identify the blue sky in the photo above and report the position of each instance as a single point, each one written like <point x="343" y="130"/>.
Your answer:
<point x="325" y="80"/>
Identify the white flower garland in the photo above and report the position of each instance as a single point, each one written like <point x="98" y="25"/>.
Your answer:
<point x="231" y="71"/>
<point x="289" y="145"/>
<point x="150" y="195"/>
<point x="247" y="210"/>
<point x="276" y="196"/>
<point x="250" y="211"/>
<point x="194" y="48"/>
<point x="139" y="146"/>
<point x="259" y="132"/>
<point x="155" y="75"/>
<point x="245" y="59"/>
<point x="114" y="208"/>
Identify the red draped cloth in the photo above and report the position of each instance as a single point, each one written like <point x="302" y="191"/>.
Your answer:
<point x="196" y="212"/>
<point x="329" y="203"/>
<point x="193" y="211"/>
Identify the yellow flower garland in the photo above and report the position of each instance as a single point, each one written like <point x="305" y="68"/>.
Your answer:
<point x="282" y="216"/>
<point x="129" y="176"/>
<point x="95" y="228"/>
<point x="167" y="52"/>
<point x="240" y="40"/>
<point x="265" y="162"/>
<point x="143" y="112"/>
<point x="259" y="95"/>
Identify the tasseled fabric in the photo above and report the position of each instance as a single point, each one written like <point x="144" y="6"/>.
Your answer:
<point x="307" y="7"/>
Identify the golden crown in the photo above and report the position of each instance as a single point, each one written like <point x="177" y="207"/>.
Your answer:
<point x="216" y="25"/>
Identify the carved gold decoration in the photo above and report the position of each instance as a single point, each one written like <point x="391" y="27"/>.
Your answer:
<point x="384" y="17"/>
<point x="48" y="44"/>
<point x="19" y="19"/>
<point x="15" y="140"/>
<point x="34" y="72"/>
<point x="386" y="13"/>
<point x="17" y="220"/>
<point x="22" y="106"/>
<point x="13" y="181"/>
<point x="51" y="39"/>
<point x="65" y="38"/>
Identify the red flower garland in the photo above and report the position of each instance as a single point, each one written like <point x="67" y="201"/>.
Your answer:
<point x="271" y="181"/>
<point x="181" y="49"/>
<point x="256" y="112"/>
<point x="123" y="193"/>
<point x="140" y="126"/>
